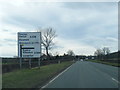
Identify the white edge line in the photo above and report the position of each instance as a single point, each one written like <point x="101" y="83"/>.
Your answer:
<point x="116" y="80"/>
<point x="56" y="77"/>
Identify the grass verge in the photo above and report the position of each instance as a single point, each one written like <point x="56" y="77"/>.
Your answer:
<point x="32" y="78"/>
<point x="107" y="63"/>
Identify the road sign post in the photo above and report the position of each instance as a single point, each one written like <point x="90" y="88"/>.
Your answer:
<point x="20" y="56"/>
<point x="30" y="63"/>
<point x="39" y="62"/>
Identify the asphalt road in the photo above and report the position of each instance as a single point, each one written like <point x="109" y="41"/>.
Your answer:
<point x="84" y="74"/>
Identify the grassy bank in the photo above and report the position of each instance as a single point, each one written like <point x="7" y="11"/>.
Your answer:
<point x="107" y="63"/>
<point x="31" y="78"/>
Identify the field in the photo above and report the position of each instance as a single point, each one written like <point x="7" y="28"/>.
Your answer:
<point x="32" y="78"/>
<point x="105" y="62"/>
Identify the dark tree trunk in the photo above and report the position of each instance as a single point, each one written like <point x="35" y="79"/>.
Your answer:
<point x="48" y="56"/>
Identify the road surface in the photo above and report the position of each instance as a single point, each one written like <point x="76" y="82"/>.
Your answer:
<point x="85" y="74"/>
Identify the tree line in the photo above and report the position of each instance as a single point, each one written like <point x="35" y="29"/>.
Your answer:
<point x="102" y="53"/>
<point x="48" y="36"/>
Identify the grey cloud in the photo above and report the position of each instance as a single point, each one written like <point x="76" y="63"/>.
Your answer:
<point x="112" y="39"/>
<point x="10" y="40"/>
<point x="1" y="44"/>
<point x="101" y="6"/>
<point x="13" y="33"/>
<point x="88" y="23"/>
<point x="5" y="30"/>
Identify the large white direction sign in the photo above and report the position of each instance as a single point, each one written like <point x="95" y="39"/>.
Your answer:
<point x="29" y="44"/>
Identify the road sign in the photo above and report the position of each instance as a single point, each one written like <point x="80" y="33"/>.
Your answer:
<point x="29" y="44"/>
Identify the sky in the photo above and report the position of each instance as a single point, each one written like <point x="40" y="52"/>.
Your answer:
<point x="80" y="26"/>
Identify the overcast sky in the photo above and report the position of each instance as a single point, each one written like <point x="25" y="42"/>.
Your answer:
<point x="81" y="26"/>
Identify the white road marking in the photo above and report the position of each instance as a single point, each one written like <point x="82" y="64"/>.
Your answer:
<point x="115" y="80"/>
<point x="56" y="77"/>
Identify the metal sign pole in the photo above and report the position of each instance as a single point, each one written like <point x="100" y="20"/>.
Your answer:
<point x="40" y="51"/>
<point x="20" y="62"/>
<point x="20" y="56"/>
<point x="39" y="62"/>
<point x="30" y="63"/>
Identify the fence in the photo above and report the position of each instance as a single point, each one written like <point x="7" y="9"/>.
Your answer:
<point x="11" y="64"/>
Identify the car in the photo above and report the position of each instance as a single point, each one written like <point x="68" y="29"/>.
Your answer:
<point x="81" y="59"/>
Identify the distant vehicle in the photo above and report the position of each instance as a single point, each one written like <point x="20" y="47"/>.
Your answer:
<point x="81" y="59"/>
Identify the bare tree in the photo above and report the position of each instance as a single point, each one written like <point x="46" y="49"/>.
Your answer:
<point x="48" y="36"/>
<point x="106" y="50"/>
<point x="99" y="53"/>
<point x="102" y="53"/>
<point x="70" y="52"/>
